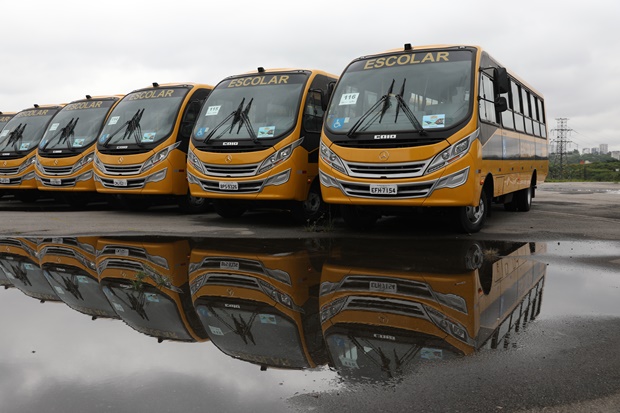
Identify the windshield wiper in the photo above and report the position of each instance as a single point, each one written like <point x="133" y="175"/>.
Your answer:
<point x="14" y="132"/>
<point x="127" y="124"/>
<point x="62" y="133"/>
<point x="235" y="114"/>
<point x="134" y="128"/>
<point x="385" y="100"/>
<point x="412" y="118"/>
<point x="248" y="125"/>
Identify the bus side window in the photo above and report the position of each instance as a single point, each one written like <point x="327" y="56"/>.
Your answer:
<point x="313" y="112"/>
<point x="189" y="118"/>
<point x="487" y="99"/>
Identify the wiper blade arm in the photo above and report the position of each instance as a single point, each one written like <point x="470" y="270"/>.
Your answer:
<point x="9" y="137"/>
<point x="412" y="118"/>
<point x="124" y="125"/>
<point x="382" y="100"/>
<point x="245" y="120"/>
<point x="386" y="102"/>
<point x="235" y="114"/>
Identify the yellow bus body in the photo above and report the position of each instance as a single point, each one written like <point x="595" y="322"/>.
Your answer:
<point x="120" y="171"/>
<point x="289" y="180"/>
<point x="500" y="160"/>
<point x="17" y="167"/>
<point x="240" y="277"/>
<point x="67" y="171"/>
<point x="157" y="271"/>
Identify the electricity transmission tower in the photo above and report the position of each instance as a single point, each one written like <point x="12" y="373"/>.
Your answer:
<point x="560" y="143"/>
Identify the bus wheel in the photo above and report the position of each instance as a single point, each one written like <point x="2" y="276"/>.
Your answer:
<point x="227" y="208"/>
<point x="189" y="204"/>
<point x="357" y="217"/>
<point x="523" y="199"/>
<point x="471" y="219"/>
<point x="311" y="209"/>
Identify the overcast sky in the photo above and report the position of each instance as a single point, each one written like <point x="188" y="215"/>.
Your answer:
<point x="59" y="51"/>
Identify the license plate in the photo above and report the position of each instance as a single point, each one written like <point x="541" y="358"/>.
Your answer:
<point x="120" y="182"/>
<point x="383" y="189"/>
<point x="229" y="265"/>
<point x="229" y="186"/>
<point x="55" y="181"/>
<point x="383" y="287"/>
<point x="5" y="180"/>
<point x="121" y="251"/>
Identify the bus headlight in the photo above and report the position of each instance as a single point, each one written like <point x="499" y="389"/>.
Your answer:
<point x="158" y="157"/>
<point x="454" y="180"/>
<point x="157" y="176"/>
<point x="278" y="157"/>
<point x="27" y="163"/>
<point x="196" y="163"/>
<point x="85" y="176"/>
<point x="84" y="161"/>
<point x="451" y="154"/>
<point x="276" y="295"/>
<point x="278" y="179"/>
<point x="331" y="309"/>
<point x="448" y="326"/>
<point x="331" y="159"/>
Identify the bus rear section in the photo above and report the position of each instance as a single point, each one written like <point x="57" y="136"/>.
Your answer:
<point x="256" y="143"/>
<point x="146" y="284"/>
<point x="260" y="305"/>
<point x="430" y="127"/>
<point x="64" y="164"/>
<point x="19" y="140"/>
<point x="382" y="318"/>
<point x="141" y="154"/>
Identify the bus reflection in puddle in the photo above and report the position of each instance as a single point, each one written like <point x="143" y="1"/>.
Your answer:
<point x="382" y="318"/>
<point x="368" y="313"/>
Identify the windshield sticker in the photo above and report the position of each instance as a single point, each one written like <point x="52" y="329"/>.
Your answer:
<point x="267" y="319"/>
<point x="348" y="99"/>
<point x="201" y="132"/>
<point x="148" y="137"/>
<point x="433" y="121"/>
<point x="28" y="266"/>
<point x="339" y="123"/>
<point x="213" y="110"/>
<point x="59" y="290"/>
<point x="82" y="279"/>
<point x="113" y="120"/>
<point x="118" y="307"/>
<point x="153" y="298"/>
<point x="104" y="137"/>
<point x="24" y="146"/>
<point x="4" y="133"/>
<point x="266" y="132"/>
<point x="203" y="311"/>
<point x="77" y="142"/>
<point x="431" y="353"/>
<point x="347" y="362"/>
<point x="54" y="126"/>
<point x="216" y="330"/>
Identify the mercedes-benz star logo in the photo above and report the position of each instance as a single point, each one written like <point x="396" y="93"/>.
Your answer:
<point x="384" y="156"/>
<point x="228" y="159"/>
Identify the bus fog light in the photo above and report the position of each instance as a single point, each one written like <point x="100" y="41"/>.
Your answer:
<point x="192" y="179"/>
<point x="85" y="176"/>
<point x="278" y="179"/>
<point x="454" y="180"/>
<point x="28" y="176"/>
<point x="156" y="177"/>
<point x="327" y="181"/>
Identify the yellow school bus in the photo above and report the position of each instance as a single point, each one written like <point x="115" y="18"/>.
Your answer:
<point x="257" y="140"/>
<point x="147" y="286"/>
<point x="141" y="154"/>
<point x="65" y="156"/>
<point x="68" y="264"/>
<point x="383" y="316"/>
<point x="432" y="126"/>
<point x="260" y="305"/>
<point x="18" y="143"/>
<point x="20" y="263"/>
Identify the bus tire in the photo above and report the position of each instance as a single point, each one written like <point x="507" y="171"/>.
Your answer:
<point x="358" y="217"/>
<point x="227" y="208"/>
<point x="523" y="199"/>
<point x="471" y="219"/>
<point x="189" y="204"/>
<point x="310" y="210"/>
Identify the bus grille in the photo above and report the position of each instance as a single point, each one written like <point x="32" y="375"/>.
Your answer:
<point x="386" y="170"/>
<point x="403" y="287"/>
<point x="9" y="171"/>
<point x="405" y="191"/>
<point x="231" y="170"/>
<point x="63" y="182"/>
<point x="386" y="305"/>
<point x="57" y="170"/>
<point x="121" y="170"/>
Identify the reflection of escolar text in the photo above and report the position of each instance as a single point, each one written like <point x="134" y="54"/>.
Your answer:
<point x="151" y="94"/>
<point x="258" y="81"/>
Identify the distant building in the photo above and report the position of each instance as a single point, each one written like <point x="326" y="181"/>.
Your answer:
<point x="604" y="148"/>
<point x="586" y="151"/>
<point x="594" y="151"/>
<point x="615" y="155"/>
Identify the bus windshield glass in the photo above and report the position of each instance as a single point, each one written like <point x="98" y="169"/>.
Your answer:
<point x="76" y="126"/>
<point x="255" y="108"/>
<point x="402" y="93"/>
<point x="25" y="130"/>
<point x="77" y="289"/>
<point x="4" y="119"/>
<point x="143" y="118"/>
<point x="261" y="335"/>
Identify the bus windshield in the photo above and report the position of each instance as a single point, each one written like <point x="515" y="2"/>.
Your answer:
<point x="4" y="119"/>
<point x="261" y="335"/>
<point x="25" y="130"/>
<point x="76" y="126"/>
<point x="143" y="118"/>
<point x="403" y="93"/>
<point x="255" y="108"/>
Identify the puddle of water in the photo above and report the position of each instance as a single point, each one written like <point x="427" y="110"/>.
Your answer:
<point x="259" y="325"/>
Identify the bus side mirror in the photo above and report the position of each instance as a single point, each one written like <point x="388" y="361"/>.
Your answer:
<point x="330" y="90"/>
<point x="501" y="104"/>
<point x="502" y="83"/>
